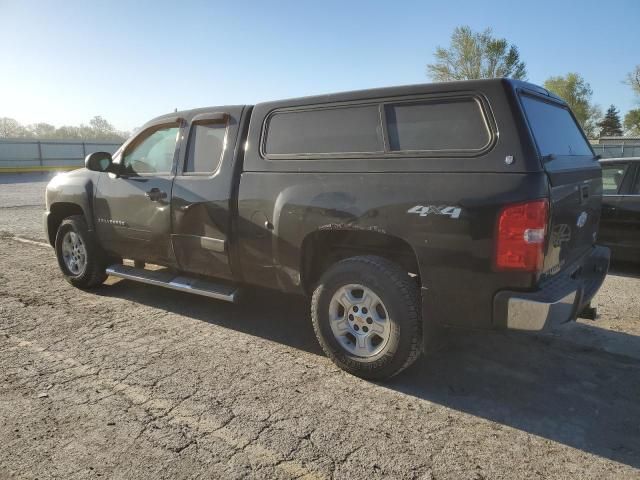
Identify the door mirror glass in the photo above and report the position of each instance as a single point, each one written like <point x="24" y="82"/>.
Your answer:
<point x="98" y="161"/>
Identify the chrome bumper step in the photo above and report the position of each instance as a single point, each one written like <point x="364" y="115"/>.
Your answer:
<point x="182" y="283"/>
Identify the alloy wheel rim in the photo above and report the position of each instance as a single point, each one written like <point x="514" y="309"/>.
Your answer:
<point x="359" y="320"/>
<point x="74" y="253"/>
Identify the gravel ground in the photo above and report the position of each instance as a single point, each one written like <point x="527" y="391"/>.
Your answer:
<point x="131" y="381"/>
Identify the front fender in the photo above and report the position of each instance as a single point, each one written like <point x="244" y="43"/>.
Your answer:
<point x="74" y="188"/>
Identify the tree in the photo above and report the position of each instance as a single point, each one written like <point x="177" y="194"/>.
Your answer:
<point x="11" y="128"/>
<point x="610" y="125"/>
<point x="473" y="55"/>
<point x="633" y="79"/>
<point x="101" y="128"/>
<point x="574" y="90"/>
<point x="98" y="129"/>
<point x="632" y="122"/>
<point x="42" y="130"/>
<point x="68" y="132"/>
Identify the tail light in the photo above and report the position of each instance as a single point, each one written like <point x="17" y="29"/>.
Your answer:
<point x="522" y="229"/>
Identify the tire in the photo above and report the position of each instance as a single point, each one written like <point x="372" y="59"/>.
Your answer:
<point x="88" y="271"/>
<point x="396" y="342"/>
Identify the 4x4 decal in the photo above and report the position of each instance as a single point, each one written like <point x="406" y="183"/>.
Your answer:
<point x="452" y="212"/>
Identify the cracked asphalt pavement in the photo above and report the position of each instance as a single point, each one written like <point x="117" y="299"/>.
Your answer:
<point x="133" y="381"/>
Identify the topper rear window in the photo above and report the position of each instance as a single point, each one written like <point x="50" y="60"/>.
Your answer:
<point x="554" y="128"/>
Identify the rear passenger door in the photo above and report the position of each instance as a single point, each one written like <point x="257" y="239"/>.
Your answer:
<point x="201" y="205"/>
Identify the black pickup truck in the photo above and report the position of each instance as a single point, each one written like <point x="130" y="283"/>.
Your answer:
<point x="397" y="210"/>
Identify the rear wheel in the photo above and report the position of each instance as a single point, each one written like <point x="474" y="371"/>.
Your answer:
<point x="79" y="256"/>
<point x="366" y="315"/>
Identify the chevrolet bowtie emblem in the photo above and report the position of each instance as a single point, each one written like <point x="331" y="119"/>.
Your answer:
<point x="582" y="220"/>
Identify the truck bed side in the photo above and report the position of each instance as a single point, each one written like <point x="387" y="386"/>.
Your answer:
<point x="436" y="215"/>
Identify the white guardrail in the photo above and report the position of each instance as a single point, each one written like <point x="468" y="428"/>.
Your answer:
<point x="25" y="155"/>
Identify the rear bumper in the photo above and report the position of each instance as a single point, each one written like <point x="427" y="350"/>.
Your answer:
<point x="558" y="301"/>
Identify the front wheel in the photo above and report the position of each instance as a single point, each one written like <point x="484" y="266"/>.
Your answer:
<point x="366" y="315"/>
<point x="79" y="256"/>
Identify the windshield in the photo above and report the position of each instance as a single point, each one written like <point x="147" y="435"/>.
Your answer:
<point x="554" y="129"/>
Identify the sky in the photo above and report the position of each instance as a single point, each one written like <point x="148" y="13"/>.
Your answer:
<point x="63" y="62"/>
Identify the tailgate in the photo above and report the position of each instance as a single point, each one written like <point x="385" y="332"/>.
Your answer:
<point x="575" y="198"/>
<point x="575" y="181"/>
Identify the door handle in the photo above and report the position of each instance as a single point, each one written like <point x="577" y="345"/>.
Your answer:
<point x="156" y="194"/>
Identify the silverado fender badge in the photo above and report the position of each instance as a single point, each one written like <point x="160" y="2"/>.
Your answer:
<point x="582" y="220"/>
<point x="451" y="212"/>
<point x="112" y="222"/>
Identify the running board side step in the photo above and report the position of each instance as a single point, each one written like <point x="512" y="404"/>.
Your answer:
<point x="161" y="278"/>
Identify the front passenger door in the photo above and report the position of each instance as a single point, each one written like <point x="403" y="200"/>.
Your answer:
<point x="132" y="207"/>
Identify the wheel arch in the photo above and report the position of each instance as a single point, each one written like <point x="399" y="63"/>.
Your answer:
<point x="57" y="213"/>
<point x="324" y="247"/>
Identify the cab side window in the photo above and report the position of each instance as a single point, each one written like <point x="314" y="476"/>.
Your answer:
<point x="153" y="152"/>
<point x="207" y="142"/>
<point x="612" y="176"/>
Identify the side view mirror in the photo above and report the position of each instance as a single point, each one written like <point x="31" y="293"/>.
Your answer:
<point x="99" y="162"/>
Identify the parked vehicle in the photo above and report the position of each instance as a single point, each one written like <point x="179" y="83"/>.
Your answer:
<point x="620" y="223"/>
<point x="398" y="210"/>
